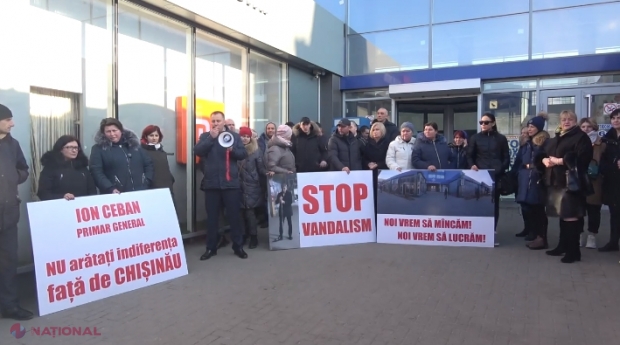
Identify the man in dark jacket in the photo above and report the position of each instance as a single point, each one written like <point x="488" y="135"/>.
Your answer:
<point x="310" y="154"/>
<point x="391" y="130"/>
<point x="221" y="183"/>
<point x="13" y="172"/>
<point x="343" y="149"/>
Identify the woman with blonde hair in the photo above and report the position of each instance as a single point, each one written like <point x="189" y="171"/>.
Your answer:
<point x="568" y="156"/>
<point x="594" y="202"/>
<point x="375" y="152"/>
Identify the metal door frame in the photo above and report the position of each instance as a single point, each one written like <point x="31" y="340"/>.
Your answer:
<point x="586" y="95"/>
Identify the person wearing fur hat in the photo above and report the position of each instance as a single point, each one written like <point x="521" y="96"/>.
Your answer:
<point x="251" y="170"/>
<point x="594" y="202"/>
<point x="399" y="151"/>
<point x="459" y="150"/>
<point x="65" y="172"/>
<point x="568" y="154"/>
<point x="151" y="143"/>
<point x="118" y="163"/>
<point x="531" y="194"/>
<point x="307" y="147"/>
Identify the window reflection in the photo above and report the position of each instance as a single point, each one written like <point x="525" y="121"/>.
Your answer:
<point x="397" y="50"/>
<point x="373" y="15"/>
<point x="576" y="31"/>
<point x="453" y="10"/>
<point x="484" y="41"/>
<point x="548" y="4"/>
<point x="512" y="110"/>
<point x="267" y="82"/>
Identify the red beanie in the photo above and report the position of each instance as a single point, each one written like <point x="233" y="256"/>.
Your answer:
<point x="245" y="131"/>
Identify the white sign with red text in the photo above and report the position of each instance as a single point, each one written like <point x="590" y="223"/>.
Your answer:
<point x="436" y="230"/>
<point x="100" y="246"/>
<point x="336" y="208"/>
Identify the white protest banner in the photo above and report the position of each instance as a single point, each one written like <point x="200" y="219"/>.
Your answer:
<point x="436" y="208"/>
<point x="95" y="247"/>
<point x="336" y="208"/>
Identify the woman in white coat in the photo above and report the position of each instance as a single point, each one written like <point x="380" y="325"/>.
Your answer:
<point x="400" y="150"/>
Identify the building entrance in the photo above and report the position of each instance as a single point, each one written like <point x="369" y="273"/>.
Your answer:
<point x="450" y="114"/>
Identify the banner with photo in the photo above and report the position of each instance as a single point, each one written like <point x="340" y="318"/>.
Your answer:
<point x="436" y="208"/>
<point x="336" y="208"/>
<point x="283" y="212"/>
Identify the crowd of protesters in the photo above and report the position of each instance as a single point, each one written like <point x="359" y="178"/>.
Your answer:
<point x="569" y="176"/>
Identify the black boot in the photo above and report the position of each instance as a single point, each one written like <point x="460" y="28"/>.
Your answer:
<point x="561" y="248"/>
<point x="253" y="242"/>
<point x="523" y="233"/>
<point x="612" y="245"/>
<point x="573" y="231"/>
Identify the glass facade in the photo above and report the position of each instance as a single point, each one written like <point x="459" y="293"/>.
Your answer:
<point x="74" y="69"/>
<point x="398" y="35"/>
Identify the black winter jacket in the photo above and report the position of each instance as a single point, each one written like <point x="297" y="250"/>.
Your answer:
<point x="344" y="152"/>
<point x="251" y="170"/>
<point x="60" y="177"/>
<point x="375" y="152"/>
<point x="13" y="169"/>
<point x="460" y="156"/>
<point x="162" y="177"/>
<point x="308" y="149"/>
<point x="489" y="150"/>
<point x="219" y="173"/>
<point x="575" y="148"/>
<point x="609" y="168"/>
<point x="436" y="153"/>
<point x="124" y="166"/>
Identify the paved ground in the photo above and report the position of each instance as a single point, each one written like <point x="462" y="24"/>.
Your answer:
<point x="362" y="294"/>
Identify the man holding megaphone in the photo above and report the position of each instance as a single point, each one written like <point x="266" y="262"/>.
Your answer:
<point x="219" y="150"/>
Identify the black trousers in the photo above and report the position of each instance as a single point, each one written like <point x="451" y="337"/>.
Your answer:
<point x="496" y="206"/>
<point x="614" y="224"/>
<point x="230" y="200"/>
<point x="594" y="217"/>
<point x="9" y="217"/>
<point x="289" y="220"/>
<point x="536" y="221"/>
<point x="250" y="222"/>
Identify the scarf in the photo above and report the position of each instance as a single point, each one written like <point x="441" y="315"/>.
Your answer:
<point x="157" y="146"/>
<point x="593" y="136"/>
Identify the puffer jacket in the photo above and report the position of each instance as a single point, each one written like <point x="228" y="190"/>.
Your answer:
<point x="428" y="152"/>
<point x="60" y="177"/>
<point x="344" y="152"/>
<point x="609" y="168"/>
<point x="219" y="171"/>
<point x="375" y="152"/>
<point x="251" y="170"/>
<point x="489" y="150"/>
<point x="13" y="170"/>
<point x="308" y="149"/>
<point x="162" y="177"/>
<point x="279" y="157"/>
<point x="399" y="154"/>
<point x="531" y="189"/>
<point x="123" y="166"/>
<point x="459" y="152"/>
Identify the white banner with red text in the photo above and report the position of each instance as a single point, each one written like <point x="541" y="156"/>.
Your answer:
<point x="336" y="208"/>
<point x="436" y="208"/>
<point x="95" y="247"/>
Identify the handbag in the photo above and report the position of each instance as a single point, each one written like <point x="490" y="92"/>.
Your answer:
<point x="593" y="170"/>
<point x="507" y="184"/>
<point x="575" y="184"/>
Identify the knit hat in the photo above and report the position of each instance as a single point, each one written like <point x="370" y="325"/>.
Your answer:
<point x="5" y="113"/>
<point x="460" y="133"/>
<point x="408" y="125"/>
<point x="284" y="131"/>
<point x="245" y="131"/>
<point x="538" y="122"/>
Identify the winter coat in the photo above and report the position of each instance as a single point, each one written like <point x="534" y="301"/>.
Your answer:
<point x="375" y="151"/>
<point x="251" y="170"/>
<point x="575" y="148"/>
<point x="399" y="154"/>
<point x="286" y="206"/>
<point x="279" y="157"/>
<point x="13" y="169"/>
<point x="531" y="188"/>
<point x="308" y="149"/>
<point x="262" y="142"/>
<point x="60" y="177"/>
<point x="489" y="150"/>
<point x="597" y="184"/>
<point x="124" y="166"/>
<point x="219" y="164"/>
<point x="162" y="177"/>
<point x="459" y="153"/>
<point x="391" y="130"/>
<point x="609" y="168"/>
<point x="344" y="152"/>
<point x="435" y="152"/>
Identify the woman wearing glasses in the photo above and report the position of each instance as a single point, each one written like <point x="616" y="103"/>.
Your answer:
<point x="488" y="149"/>
<point x="65" y="171"/>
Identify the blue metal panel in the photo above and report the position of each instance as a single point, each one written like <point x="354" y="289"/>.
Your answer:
<point x="522" y="69"/>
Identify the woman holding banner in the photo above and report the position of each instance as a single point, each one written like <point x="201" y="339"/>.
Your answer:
<point x="375" y="153"/>
<point x="65" y="171"/>
<point x="431" y="151"/>
<point x="399" y="152"/>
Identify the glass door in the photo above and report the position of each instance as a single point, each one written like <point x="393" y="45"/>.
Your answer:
<point x="599" y="103"/>
<point x="556" y="101"/>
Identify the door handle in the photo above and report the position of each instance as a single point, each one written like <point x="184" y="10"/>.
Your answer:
<point x="589" y="108"/>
